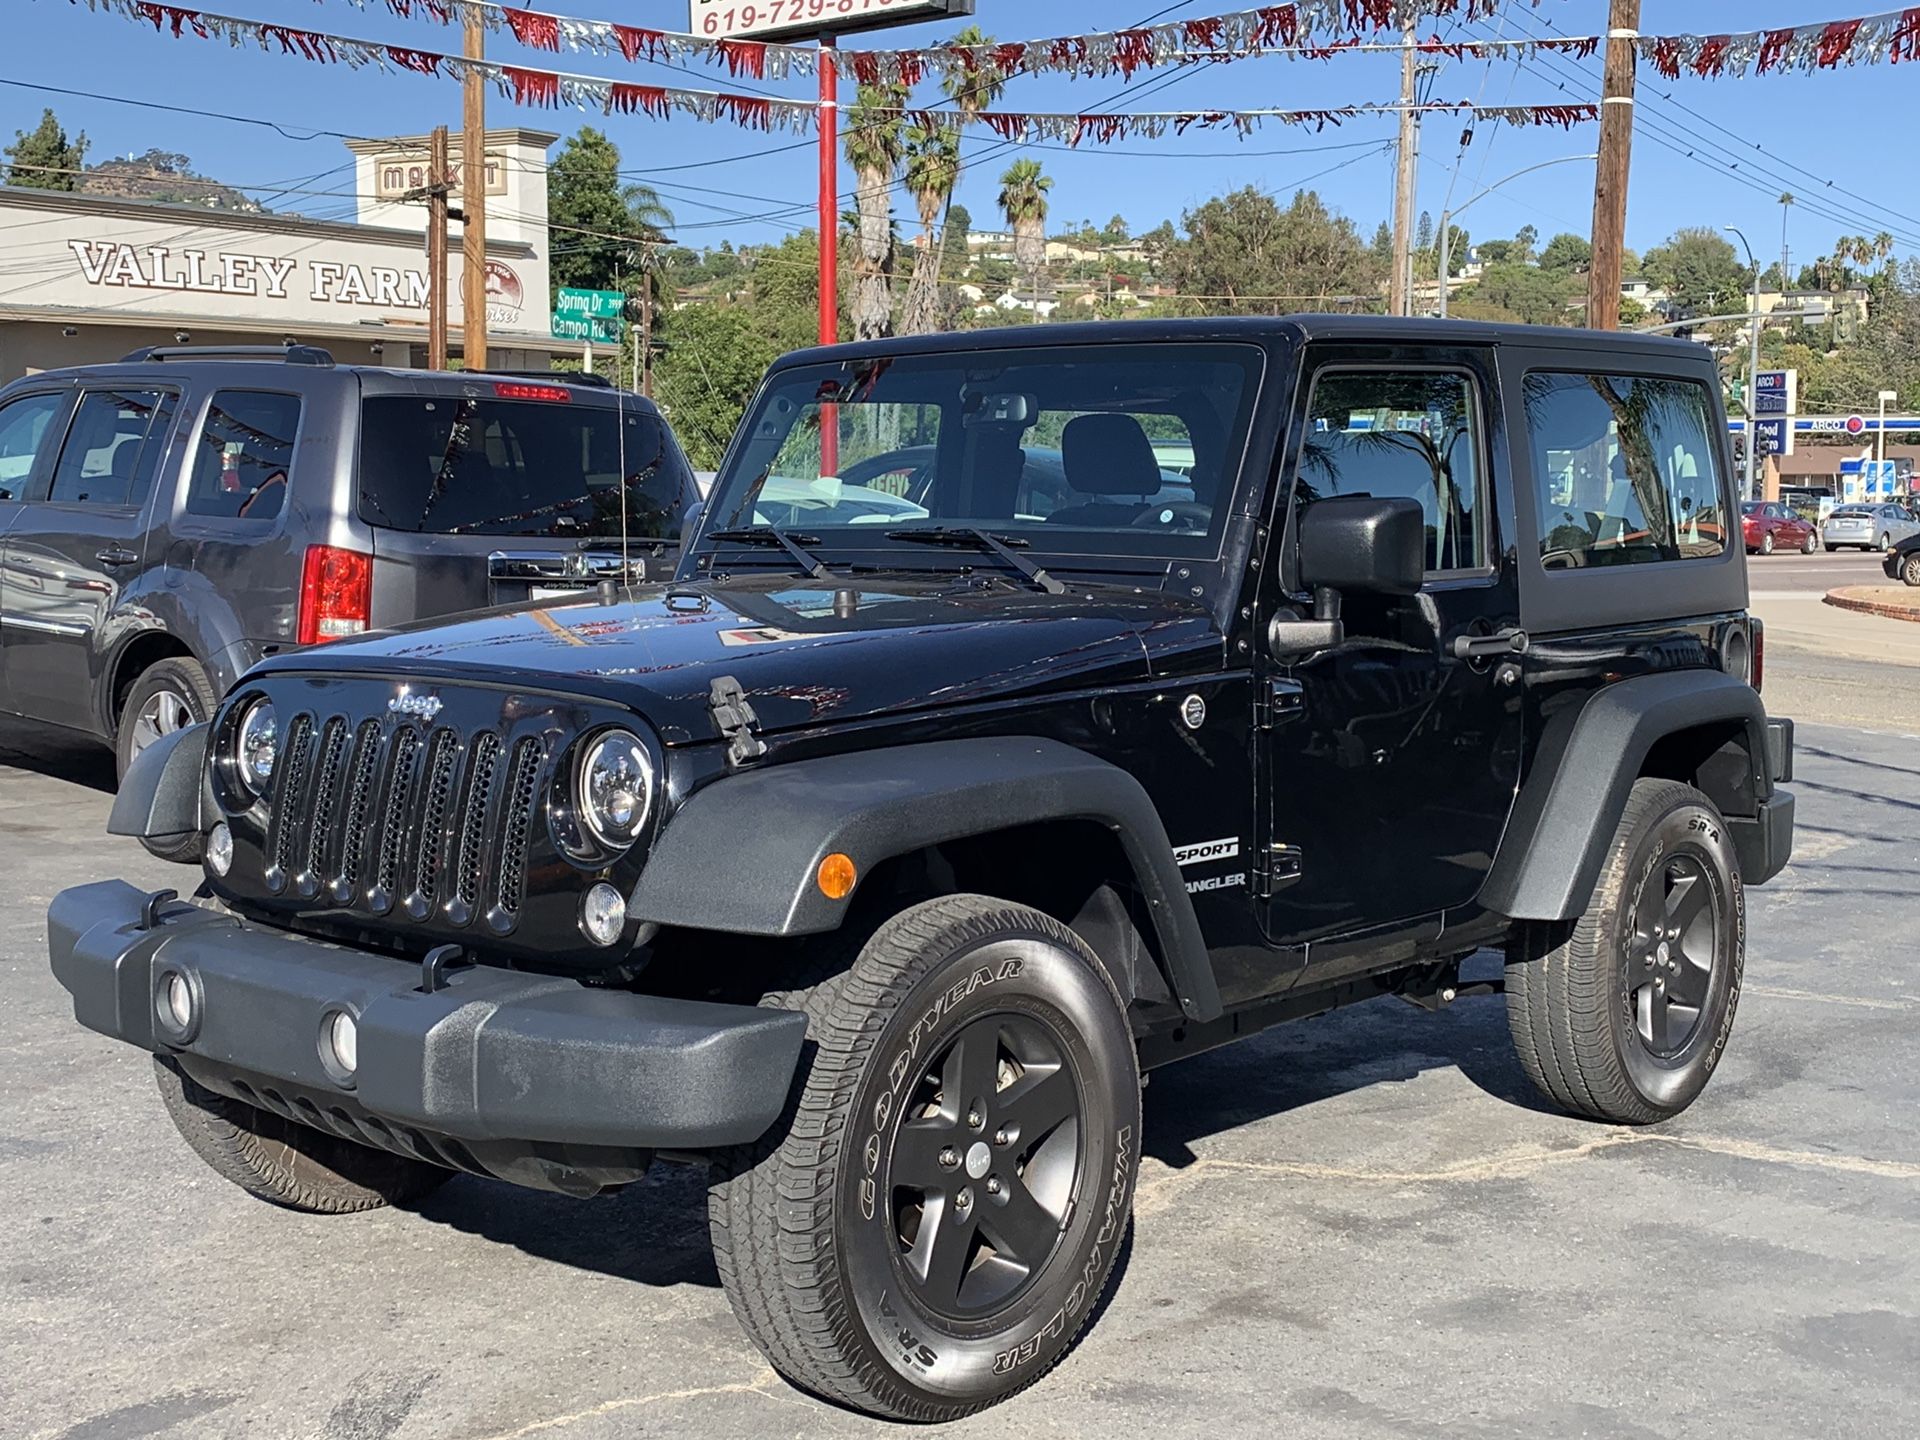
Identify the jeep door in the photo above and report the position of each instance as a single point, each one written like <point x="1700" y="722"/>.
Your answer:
<point x="78" y="543"/>
<point x="1389" y="763"/>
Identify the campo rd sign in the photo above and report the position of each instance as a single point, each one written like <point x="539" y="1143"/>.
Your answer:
<point x="806" y="19"/>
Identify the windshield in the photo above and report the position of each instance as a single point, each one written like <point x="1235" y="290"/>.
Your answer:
<point x="1128" y="449"/>
<point x="456" y="465"/>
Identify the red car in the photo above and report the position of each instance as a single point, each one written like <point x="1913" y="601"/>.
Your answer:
<point x="1771" y="526"/>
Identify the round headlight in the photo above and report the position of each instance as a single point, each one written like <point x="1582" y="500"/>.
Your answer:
<point x="259" y="745"/>
<point x="615" y="788"/>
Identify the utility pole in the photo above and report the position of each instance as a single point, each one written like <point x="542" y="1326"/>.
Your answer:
<point x="437" y="218"/>
<point x="1399" y="287"/>
<point x="473" y="166"/>
<point x="1616" y="158"/>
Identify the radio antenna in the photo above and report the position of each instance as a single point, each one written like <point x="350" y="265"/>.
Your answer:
<point x="620" y="419"/>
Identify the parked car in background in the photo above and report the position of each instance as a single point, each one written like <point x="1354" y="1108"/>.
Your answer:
<point x="1770" y="526"/>
<point x="1878" y="526"/>
<point x="169" y="520"/>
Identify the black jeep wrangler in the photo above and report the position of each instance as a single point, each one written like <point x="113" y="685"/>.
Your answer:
<point x="872" y="862"/>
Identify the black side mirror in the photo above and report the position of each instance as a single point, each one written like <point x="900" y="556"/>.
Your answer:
<point x="1352" y="545"/>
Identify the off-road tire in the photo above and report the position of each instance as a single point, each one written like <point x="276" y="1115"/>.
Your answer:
<point x="1571" y="994"/>
<point x="285" y="1163"/>
<point x="187" y="681"/>
<point x="1910" y="569"/>
<point x="818" y="1283"/>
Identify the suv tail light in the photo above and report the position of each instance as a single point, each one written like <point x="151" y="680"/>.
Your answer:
<point x="336" y="594"/>
<point x="1757" y="663"/>
<point x="516" y="390"/>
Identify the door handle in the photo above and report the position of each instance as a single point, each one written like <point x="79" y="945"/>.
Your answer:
<point x="1490" y="647"/>
<point x="113" y="557"/>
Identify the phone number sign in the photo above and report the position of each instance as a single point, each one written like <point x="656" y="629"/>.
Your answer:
<point x="805" y="19"/>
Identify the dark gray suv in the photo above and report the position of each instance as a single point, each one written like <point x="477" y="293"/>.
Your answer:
<point x="168" y="521"/>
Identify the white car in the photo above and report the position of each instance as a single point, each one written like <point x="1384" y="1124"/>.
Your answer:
<point x="1879" y="526"/>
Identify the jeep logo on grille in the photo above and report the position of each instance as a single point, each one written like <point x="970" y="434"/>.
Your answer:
<point x="423" y="707"/>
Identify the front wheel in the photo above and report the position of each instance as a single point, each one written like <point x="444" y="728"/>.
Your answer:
<point x="1624" y="1016"/>
<point x="1809" y="545"/>
<point x="931" y="1226"/>
<point x="1766" y="543"/>
<point x="169" y="695"/>
<point x="1910" y="569"/>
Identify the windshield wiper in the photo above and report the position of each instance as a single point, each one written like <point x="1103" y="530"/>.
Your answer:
<point x="794" y="545"/>
<point x="999" y="546"/>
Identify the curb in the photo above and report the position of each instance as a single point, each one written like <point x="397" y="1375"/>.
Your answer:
<point x="1845" y="600"/>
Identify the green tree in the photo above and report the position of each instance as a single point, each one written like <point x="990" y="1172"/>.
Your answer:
<point x="1700" y="270"/>
<point x="44" y="158"/>
<point x="1023" y="200"/>
<point x="711" y="363"/>
<point x="1512" y="292"/>
<point x="955" y="257"/>
<point x="933" y="169"/>
<point x="876" y="145"/>
<point x="1423" y="233"/>
<point x="1250" y="256"/>
<point x="603" y="228"/>
<point x="1566" y="253"/>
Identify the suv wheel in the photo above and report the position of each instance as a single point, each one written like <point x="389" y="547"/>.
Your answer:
<point x="169" y="695"/>
<point x="286" y="1163"/>
<point x="938" y="1215"/>
<point x="1625" y="1018"/>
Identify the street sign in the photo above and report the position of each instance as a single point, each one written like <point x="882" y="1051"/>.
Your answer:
<point x="587" y="329"/>
<point x="591" y="304"/>
<point x="808" y="19"/>
<point x="1773" y="392"/>
<point x="1773" y="436"/>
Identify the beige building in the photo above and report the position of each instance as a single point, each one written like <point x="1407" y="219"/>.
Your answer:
<point x="85" y="279"/>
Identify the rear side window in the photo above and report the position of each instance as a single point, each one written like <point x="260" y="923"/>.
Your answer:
<point x="454" y="465"/>
<point x="1627" y="470"/>
<point x="1402" y="435"/>
<point x="244" y="455"/>
<point x="23" y="424"/>
<point x="113" y="448"/>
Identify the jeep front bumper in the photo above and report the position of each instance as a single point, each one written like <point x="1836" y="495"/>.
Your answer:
<point x="508" y="1066"/>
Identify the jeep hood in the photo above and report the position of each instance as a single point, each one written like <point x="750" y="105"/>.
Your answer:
<point x="807" y="652"/>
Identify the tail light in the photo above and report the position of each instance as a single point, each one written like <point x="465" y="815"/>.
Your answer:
<point x="516" y="390"/>
<point x="336" y="594"/>
<point x="1757" y="665"/>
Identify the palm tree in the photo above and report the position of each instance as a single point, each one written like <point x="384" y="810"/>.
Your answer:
<point x="876" y="143"/>
<point x="1883" y="246"/>
<point x="1023" y="199"/>
<point x="933" y="169"/>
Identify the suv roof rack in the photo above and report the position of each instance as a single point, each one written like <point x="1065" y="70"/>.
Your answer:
<point x="560" y="377"/>
<point x="287" y="354"/>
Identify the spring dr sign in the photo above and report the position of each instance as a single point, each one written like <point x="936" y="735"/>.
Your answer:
<point x="804" y="19"/>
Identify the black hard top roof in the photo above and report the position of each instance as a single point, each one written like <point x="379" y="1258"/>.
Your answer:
<point x="1285" y="329"/>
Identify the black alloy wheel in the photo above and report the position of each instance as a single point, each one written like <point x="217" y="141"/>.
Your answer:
<point x="1674" y="940"/>
<point x="986" y="1161"/>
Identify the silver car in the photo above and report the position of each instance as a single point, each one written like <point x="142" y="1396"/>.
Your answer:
<point x="1871" y="527"/>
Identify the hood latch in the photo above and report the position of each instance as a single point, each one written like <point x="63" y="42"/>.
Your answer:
<point x="734" y="718"/>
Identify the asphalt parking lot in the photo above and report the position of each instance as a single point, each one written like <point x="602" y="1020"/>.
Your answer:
<point x="1360" y="1226"/>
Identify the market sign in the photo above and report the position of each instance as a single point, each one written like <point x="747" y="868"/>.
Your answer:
<point x="807" y="19"/>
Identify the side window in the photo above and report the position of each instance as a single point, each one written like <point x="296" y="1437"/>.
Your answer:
<point x="243" y="455"/>
<point x="23" y="425"/>
<point x="113" y="447"/>
<point x="1627" y="470"/>
<point x="1406" y="435"/>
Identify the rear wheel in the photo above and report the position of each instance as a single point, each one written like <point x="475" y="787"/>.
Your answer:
<point x="1832" y="548"/>
<point x="285" y="1163"/>
<point x="1624" y="1017"/>
<point x="931" y="1226"/>
<point x="170" y="695"/>
<point x="1886" y="543"/>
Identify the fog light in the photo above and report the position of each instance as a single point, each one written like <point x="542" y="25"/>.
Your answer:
<point x="220" y="849"/>
<point x="176" y="1001"/>
<point x="340" y="1044"/>
<point x="603" y="914"/>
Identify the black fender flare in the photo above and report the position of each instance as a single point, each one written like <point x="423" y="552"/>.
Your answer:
<point x="741" y="854"/>
<point x="1583" y="769"/>
<point x="165" y="792"/>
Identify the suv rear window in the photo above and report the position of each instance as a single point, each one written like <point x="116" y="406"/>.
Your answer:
<point x="461" y="465"/>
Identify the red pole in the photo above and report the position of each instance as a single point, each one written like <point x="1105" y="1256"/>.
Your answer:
<point x="829" y="239"/>
<point x="829" y="193"/>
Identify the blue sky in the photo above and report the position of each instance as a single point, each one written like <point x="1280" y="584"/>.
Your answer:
<point x="1811" y="128"/>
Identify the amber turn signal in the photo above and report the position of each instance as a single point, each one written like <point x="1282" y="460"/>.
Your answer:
<point x="836" y="876"/>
